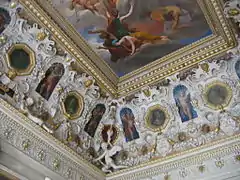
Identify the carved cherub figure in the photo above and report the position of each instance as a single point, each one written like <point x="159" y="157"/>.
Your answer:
<point x="109" y="151"/>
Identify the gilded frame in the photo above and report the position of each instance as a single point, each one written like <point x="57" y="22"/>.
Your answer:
<point x="222" y="39"/>
<point x="228" y="99"/>
<point x="31" y="53"/>
<point x="80" y="102"/>
<point x="147" y="118"/>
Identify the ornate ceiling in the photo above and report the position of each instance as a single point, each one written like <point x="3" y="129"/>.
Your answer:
<point x="187" y="45"/>
<point x="62" y="105"/>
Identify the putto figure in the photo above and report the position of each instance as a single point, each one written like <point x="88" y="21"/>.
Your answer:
<point x="128" y="122"/>
<point x="109" y="152"/>
<point x="183" y="101"/>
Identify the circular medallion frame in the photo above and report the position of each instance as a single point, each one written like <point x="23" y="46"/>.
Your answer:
<point x="27" y="51"/>
<point x="154" y="124"/>
<point x="223" y="91"/>
<point x="80" y="100"/>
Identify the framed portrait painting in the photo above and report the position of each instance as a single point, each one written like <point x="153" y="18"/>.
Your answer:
<point x="156" y="118"/>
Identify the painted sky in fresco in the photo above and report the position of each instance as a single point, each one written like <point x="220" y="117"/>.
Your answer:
<point x="192" y="27"/>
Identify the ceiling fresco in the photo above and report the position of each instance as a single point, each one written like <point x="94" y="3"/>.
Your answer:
<point x="126" y="45"/>
<point x="128" y="34"/>
<point x="43" y="83"/>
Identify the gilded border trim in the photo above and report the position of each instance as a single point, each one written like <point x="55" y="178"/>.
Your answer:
<point x="222" y="84"/>
<point x="136" y="83"/>
<point x="80" y="102"/>
<point x="41" y="17"/>
<point x="32" y="59"/>
<point x="222" y="40"/>
<point x="149" y="125"/>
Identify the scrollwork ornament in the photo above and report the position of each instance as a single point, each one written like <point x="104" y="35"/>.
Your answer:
<point x="232" y="10"/>
<point x="41" y="155"/>
<point x="237" y="158"/>
<point x="163" y="147"/>
<point x="227" y="124"/>
<point x="202" y="168"/>
<point x="219" y="163"/>
<point x="26" y="144"/>
<point x="69" y="173"/>
<point x="56" y="164"/>
<point x="13" y="4"/>
<point x="3" y="39"/>
<point x="193" y="129"/>
<point x="183" y="173"/>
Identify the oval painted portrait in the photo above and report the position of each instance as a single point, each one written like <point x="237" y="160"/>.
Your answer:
<point x="218" y="95"/>
<point x="156" y="118"/>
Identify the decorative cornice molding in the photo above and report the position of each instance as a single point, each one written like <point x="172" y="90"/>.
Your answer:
<point x="222" y="148"/>
<point x="17" y="130"/>
<point x="32" y="140"/>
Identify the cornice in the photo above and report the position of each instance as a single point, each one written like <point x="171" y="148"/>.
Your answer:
<point x="17" y="130"/>
<point x="195" y="156"/>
